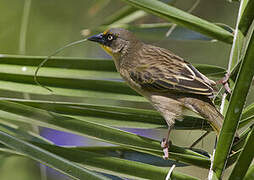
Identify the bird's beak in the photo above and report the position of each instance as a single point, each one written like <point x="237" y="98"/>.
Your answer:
<point x="97" y="38"/>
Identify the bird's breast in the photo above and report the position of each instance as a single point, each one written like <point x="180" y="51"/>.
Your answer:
<point x="126" y="76"/>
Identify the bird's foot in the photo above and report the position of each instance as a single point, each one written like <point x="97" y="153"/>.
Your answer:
<point x="165" y="144"/>
<point x="225" y="83"/>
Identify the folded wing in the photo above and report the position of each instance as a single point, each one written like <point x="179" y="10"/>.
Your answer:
<point x="172" y="75"/>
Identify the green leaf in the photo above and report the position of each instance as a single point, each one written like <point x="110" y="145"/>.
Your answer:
<point x="245" y="158"/>
<point x="182" y="18"/>
<point x="107" y="164"/>
<point x="81" y="93"/>
<point x="246" y="17"/>
<point x="232" y="158"/>
<point x="135" y="15"/>
<point x="243" y="136"/>
<point x="14" y="130"/>
<point x="70" y="64"/>
<point x="118" y="116"/>
<point x="125" y="15"/>
<point x="129" y="154"/>
<point x="65" y="166"/>
<point x="247" y="116"/>
<point x="115" y="166"/>
<point x="250" y="173"/>
<point x="103" y="159"/>
<point x="211" y="70"/>
<point x="87" y="82"/>
<point x="248" y="111"/>
<point x="17" y="76"/>
<point x="118" y="15"/>
<point x="60" y="62"/>
<point x="43" y="118"/>
<point x="235" y="108"/>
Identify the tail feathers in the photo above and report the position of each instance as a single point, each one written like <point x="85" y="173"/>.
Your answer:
<point x="207" y="110"/>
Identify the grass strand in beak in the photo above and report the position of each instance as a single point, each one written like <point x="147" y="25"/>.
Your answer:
<point x="53" y="54"/>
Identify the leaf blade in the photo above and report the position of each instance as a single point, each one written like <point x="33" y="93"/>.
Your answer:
<point x="48" y="158"/>
<point x="182" y="18"/>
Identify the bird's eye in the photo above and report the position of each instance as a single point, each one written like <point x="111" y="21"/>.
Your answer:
<point x="110" y="37"/>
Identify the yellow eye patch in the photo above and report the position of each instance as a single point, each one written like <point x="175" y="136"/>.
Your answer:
<point x="105" y="32"/>
<point x="106" y="48"/>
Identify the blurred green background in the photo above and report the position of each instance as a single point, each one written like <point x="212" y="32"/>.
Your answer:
<point x="51" y="24"/>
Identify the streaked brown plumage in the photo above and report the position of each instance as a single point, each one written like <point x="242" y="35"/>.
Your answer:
<point x="165" y="79"/>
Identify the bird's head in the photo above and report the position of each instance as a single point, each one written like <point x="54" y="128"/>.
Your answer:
<point x="115" y="41"/>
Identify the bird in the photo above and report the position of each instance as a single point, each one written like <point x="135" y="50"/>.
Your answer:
<point x="171" y="84"/>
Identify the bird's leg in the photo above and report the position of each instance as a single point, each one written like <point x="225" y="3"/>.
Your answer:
<point x="224" y="82"/>
<point x="165" y="144"/>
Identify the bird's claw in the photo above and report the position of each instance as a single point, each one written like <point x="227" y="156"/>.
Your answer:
<point x="165" y="151"/>
<point x="165" y="145"/>
<point x="224" y="82"/>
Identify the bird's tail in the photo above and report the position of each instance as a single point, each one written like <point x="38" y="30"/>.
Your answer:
<point x="207" y="110"/>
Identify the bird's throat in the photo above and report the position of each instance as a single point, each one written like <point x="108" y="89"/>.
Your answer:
<point x="107" y="49"/>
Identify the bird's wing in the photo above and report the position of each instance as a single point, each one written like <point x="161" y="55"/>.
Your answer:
<point x="174" y="75"/>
